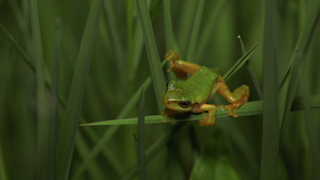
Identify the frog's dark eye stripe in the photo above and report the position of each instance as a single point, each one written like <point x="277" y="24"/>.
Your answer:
<point x="184" y="104"/>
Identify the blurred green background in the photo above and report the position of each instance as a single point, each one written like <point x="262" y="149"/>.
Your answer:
<point x="230" y="149"/>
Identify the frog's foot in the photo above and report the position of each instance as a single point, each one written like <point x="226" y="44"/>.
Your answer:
<point x="205" y="121"/>
<point x="172" y="54"/>
<point x="173" y="57"/>
<point x="237" y="98"/>
<point x="243" y="96"/>
<point x="168" y="112"/>
<point x="232" y="109"/>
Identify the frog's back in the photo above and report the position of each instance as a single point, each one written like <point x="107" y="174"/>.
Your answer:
<point x="202" y="84"/>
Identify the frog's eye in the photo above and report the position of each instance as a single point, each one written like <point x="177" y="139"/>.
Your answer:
<point x="184" y="104"/>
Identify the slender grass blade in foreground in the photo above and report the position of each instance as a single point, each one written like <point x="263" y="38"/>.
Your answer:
<point x="240" y="63"/>
<point x="153" y="55"/>
<point x="249" y="108"/>
<point x="252" y="76"/>
<point x="270" y="136"/>
<point x="43" y="159"/>
<point x="141" y="126"/>
<point x="68" y="130"/>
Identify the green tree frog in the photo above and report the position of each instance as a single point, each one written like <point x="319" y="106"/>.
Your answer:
<point x="193" y="93"/>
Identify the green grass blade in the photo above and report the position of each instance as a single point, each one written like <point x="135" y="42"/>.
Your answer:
<point x="153" y="55"/>
<point x="115" y="36"/>
<point x="252" y="76"/>
<point x="238" y="144"/>
<point x="141" y="131"/>
<point x="43" y="116"/>
<point x="151" y="151"/>
<point x="305" y="37"/>
<point x="209" y="29"/>
<point x="171" y="42"/>
<point x="187" y="11"/>
<point x="83" y="150"/>
<point x="21" y="52"/>
<point x="70" y="121"/>
<point x="3" y="169"/>
<point x="129" y="21"/>
<point x="54" y="100"/>
<point x="62" y="101"/>
<point x="107" y="153"/>
<point x="250" y="108"/>
<point x="240" y="63"/>
<point x="311" y="129"/>
<point x="170" y="38"/>
<point x="155" y="7"/>
<point x="195" y="32"/>
<point x="270" y="134"/>
<point x="289" y="84"/>
<point x="137" y="46"/>
<point x="100" y="144"/>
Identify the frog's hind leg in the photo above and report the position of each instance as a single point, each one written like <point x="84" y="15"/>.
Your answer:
<point x="180" y="67"/>
<point x="237" y="98"/>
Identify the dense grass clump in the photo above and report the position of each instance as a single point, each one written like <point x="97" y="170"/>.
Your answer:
<point x="65" y="64"/>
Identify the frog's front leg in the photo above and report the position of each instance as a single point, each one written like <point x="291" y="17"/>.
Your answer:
<point x="237" y="98"/>
<point x="180" y="67"/>
<point x="168" y="112"/>
<point x="207" y="120"/>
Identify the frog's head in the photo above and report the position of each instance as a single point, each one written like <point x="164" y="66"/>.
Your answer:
<point x="176" y="97"/>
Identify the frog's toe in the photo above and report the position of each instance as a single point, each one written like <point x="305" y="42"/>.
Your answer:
<point x="165" y="116"/>
<point x="234" y="113"/>
<point x="232" y="109"/>
<point x="172" y="54"/>
<point x="168" y="53"/>
<point x="205" y="122"/>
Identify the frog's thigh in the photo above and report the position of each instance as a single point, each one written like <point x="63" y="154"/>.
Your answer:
<point x="240" y="95"/>
<point x="211" y="119"/>
<point x="187" y="67"/>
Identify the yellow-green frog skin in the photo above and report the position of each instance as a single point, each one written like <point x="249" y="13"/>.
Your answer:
<point x="192" y="94"/>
